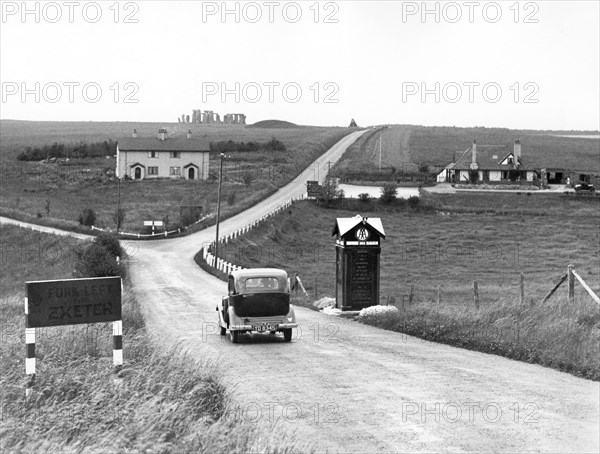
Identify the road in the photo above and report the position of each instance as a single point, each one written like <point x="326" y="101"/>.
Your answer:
<point x="345" y="387"/>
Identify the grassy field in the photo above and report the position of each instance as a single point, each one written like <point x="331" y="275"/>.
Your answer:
<point x="583" y="209"/>
<point x="161" y="401"/>
<point x="425" y="248"/>
<point x="43" y="192"/>
<point x="404" y="148"/>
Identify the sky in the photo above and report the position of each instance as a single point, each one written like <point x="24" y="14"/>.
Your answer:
<point x="521" y="65"/>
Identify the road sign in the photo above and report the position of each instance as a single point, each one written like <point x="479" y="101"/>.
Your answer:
<point x="153" y="223"/>
<point x="73" y="301"/>
<point x="313" y="189"/>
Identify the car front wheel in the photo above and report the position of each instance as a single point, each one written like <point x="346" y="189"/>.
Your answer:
<point x="287" y="334"/>
<point x="223" y="331"/>
<point x="234" y="336"/>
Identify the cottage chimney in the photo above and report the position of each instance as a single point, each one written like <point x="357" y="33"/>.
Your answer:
<point x="474" y="158"/>
<point x="134" y="134"/>
<point x="517" y="152"/>
<point x="162" y="134"/>
<point x="189" y="134"/>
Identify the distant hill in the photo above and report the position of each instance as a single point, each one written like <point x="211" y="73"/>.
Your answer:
<point x="273" y="124"/>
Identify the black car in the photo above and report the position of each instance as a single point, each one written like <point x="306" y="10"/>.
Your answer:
<point x="583" y="186"/>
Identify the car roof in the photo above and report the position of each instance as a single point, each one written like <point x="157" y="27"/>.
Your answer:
<point x="259" y="272"/>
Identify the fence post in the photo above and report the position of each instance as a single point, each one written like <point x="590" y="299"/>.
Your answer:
<point x="439" y="296"/>
<point x="412" y="294"/>
<point x="476" y="294"/>
<point x="522" y="285"/>
<point x="571" y="284"/>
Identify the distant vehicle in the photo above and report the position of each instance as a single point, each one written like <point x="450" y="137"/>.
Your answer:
<point x="583" y="186"/>
<point x="258" y="300"/>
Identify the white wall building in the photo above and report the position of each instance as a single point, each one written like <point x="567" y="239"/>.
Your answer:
<point x="163" y="157"/>
<point x="491" y="167"/>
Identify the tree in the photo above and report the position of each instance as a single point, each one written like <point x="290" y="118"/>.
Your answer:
<point x="353" y="124"/>
<point x="330" y="191"/>
<point x="87" y="217"/>
<point x="248" y="177"/>
<point x="119" y="217"/>
<point x="388" y="192"/>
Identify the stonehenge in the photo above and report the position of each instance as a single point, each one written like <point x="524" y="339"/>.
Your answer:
<point x="210" y="117"/>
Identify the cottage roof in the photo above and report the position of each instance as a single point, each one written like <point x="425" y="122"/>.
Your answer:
<point x="344" y="225"/>
<point x="488" y="158"/>
<point x="169" y="144"/>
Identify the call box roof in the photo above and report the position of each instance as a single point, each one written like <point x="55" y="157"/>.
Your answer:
<point x="345" y="225"/>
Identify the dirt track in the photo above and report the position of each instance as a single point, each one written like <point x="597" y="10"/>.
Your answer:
<point x="346" y="387"/>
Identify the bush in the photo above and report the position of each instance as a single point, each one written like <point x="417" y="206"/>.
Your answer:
<point x="275" y="145"/>
<point x="110" y="242"/>
<point x="473" y="176"/>
<point x="247" y="177"/>
<point x="231" y="198"/>
<point x="229" y="146"/>
<point x="388" y="192"/>
<point x="87" y="217"/>
<point x="95" y="260"/>
<point x="364" y="197"/>
<point x="60" y="150"/>
<point x="414" y="201"/>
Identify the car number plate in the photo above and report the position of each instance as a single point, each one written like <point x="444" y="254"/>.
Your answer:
<point x="263" y="328"/>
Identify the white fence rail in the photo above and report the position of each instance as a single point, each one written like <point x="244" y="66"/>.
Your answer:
<point x="150" y="235"/>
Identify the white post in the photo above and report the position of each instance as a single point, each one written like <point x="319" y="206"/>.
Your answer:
<point x="118" y="344"/>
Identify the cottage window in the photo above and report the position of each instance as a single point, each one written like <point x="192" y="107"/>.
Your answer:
<point x="176" y="154"/>
<point x="153" y="154"/>
<point x="175" y="171"/>
<point x="152" y="170"/>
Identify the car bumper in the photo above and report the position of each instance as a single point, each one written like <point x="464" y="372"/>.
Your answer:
<point x="263" y="328"/>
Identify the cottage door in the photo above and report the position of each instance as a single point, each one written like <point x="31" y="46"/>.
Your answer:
<point x="138" y="173"/>
<point x="191" y="173"/>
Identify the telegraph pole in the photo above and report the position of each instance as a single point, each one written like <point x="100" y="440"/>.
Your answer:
<point x="219" y="208"/>
<point x="380" y="151"/>
<point x="118" y="204"/>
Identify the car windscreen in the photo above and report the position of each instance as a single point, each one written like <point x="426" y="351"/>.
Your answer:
<point x="262" y="284"/>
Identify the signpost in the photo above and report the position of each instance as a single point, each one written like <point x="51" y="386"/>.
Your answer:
<point x="357" y="262"/>
<point x="313" y="188"/>
<point x="153" y="224"/>
<point x="72" y="302"/>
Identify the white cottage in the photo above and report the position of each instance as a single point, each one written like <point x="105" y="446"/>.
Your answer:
<point x="491" y="166"/>
<point x="163" y="157"/>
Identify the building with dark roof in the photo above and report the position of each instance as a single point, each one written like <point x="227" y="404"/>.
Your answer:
<point x="163" y="157"/>
<point x="490" y="165"/>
